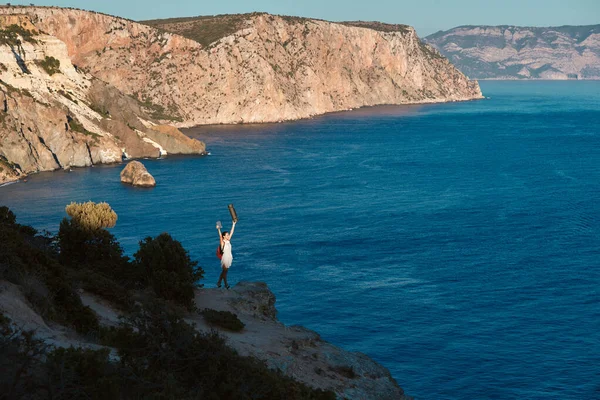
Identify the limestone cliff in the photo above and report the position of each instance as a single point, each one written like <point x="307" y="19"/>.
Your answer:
<point x="53" y="115"/>
<point x="266" y="68"/>
<point x="513" y="52"/>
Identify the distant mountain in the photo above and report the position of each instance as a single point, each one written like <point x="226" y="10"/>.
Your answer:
<point x="513" y="52"/>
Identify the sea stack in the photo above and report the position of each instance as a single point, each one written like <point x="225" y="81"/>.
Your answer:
<point x="136" y="174"/>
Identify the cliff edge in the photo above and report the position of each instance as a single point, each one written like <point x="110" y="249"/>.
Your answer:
<point x="262" y="68"/>
<point x="296" y="351"/>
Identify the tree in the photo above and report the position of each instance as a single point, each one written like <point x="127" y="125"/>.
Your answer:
<point x="163" y="264"/>
<point x="92" y="216"/>
<point x="84" y="243"/>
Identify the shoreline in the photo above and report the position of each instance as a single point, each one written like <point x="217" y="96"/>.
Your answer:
<point x="186" y="126"/>
<point x="364" y="111"/>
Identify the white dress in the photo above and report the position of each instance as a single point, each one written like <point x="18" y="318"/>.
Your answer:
<point x="227" y="258"/>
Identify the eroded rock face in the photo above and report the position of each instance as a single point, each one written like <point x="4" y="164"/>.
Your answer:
<point x="295" y="350"/>
<point x="136" y="174"/>
<point x="272" y="69"/>
<point x="61" y="118"/>
<point x="255" y="299"/>
<point x="513" y="52"/>
<point x="173" y="141"/>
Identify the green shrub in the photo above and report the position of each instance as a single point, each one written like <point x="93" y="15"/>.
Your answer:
<point x="107" y="288"/>
<point x="84" y="373"/>
<point x="162" y="349"/>
<point x="20" y="354"/>
<point x="97" y="250"/>
<point x="50" y="64"/>
<point x="25" y="262"/>
<point x="7" y="216"/>
<point x="85" y="245"/>
<point x="223" y="319"/>
<point x="164" y="265"/>
<point x="10" y="35"/>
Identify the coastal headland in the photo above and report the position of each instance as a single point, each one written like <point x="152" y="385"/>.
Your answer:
<point x="78" y="291"/>
<point x="81" y="88"/>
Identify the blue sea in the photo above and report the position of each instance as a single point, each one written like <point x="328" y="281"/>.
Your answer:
<point x="457" y="244"/>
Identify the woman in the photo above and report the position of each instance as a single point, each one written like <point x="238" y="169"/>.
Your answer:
<point x="227" y="257"/>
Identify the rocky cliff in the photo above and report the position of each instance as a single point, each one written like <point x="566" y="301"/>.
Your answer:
<point x="262" y="68"/>
<point x="53" y="115"/>
<point x="512" y="52"/>
<point x="295" y="350"/>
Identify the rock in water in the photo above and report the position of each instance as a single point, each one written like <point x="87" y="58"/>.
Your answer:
<point x="136" y="174"/>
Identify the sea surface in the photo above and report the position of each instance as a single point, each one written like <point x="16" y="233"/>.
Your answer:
<point x="457" y="244"/>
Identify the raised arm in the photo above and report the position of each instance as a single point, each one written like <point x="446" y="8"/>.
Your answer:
<point x="232" y="229"/>
<point x="220" y="237"/>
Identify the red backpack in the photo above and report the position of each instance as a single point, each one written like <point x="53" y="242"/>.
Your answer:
<point x="219" y="252"/>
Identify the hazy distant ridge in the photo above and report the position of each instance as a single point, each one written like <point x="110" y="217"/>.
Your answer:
<point x="512" y="52"/>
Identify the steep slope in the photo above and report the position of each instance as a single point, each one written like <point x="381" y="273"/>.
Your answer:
<point x="270" y="68"/>
<point x="512" y="52"/>
<point x="54" y="115"/>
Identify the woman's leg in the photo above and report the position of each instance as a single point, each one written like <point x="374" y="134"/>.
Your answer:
<point x="224" y="273"/>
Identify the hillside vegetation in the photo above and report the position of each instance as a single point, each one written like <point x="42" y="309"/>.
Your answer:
<point x="203" y="29"/>
<point x="152" y="353"/>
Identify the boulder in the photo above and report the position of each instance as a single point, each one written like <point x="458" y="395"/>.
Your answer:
<point x="174" y="141"/>
<point x="136" y="174"/>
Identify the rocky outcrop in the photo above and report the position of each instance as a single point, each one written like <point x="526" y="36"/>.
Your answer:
<point x="136" y="174"/>
<point x="513" y="52"/>
<point x="295" y="350"/>
<point x="270" y="69"/>
<point x="53" y="115"/>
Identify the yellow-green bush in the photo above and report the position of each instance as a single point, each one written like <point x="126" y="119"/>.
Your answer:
<point x="92" y="215"/>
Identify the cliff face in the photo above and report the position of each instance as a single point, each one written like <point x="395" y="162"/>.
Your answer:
<point x="268" y="69"/>
<point x="511" y="52"/>
<point x="53" y="115"/>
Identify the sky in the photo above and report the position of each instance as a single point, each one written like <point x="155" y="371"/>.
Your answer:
<point x="427" y="16"/>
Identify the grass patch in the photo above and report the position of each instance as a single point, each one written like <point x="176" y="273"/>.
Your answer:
<point x="159" y="112"/>
<point x="378" y="26"/>
<point x="76" y="126"/>
<point x="203" y="29"/>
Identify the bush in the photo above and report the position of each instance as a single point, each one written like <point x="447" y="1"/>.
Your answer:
<point x="84" y="373"/>
<point x="50" y="64"/>
<point x="104" y="287"/>
<point x="177" y="361"/>
<point x="24" y="262"/>
<point x="164" y="265"/>
<point x="223" y="319"/>
<point x="7" y="216"/>
<point x="20" y="354"/>
<point x="97" y="250"/>
<point x="34" y="370"/>
<point x="92" y="216"/>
